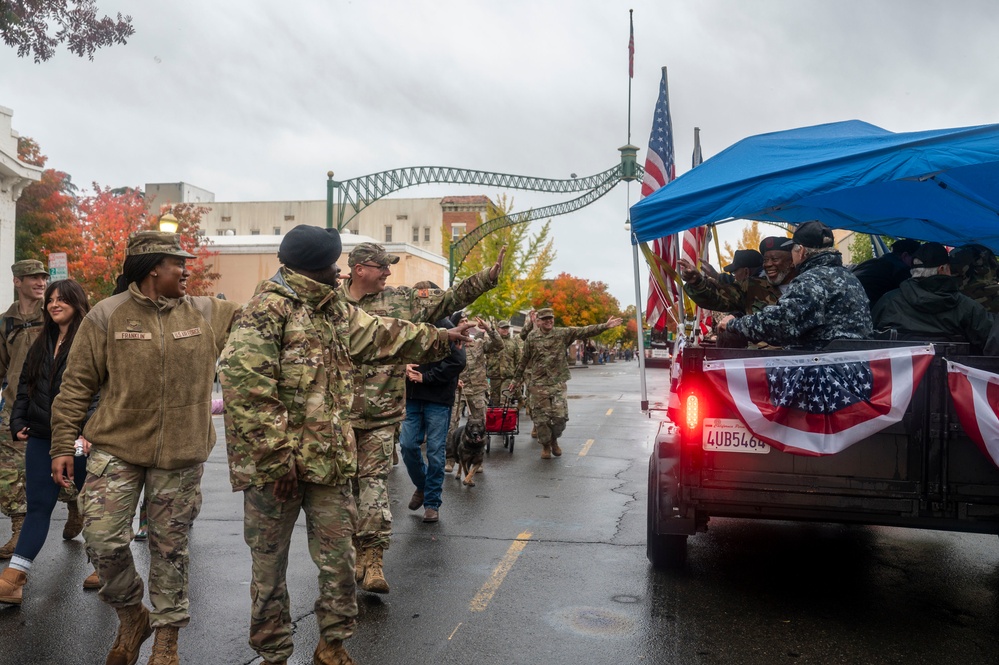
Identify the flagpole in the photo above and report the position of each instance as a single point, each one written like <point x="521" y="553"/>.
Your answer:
<point x="639" y="309"/>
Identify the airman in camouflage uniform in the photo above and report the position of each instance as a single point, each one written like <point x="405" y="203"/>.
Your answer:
<point x="976" y="267"/>
<point x="503" y="351"/>
<point x="287" y="374"/>
<point x="380" y="390"/>
<point x="473" y="387"/>
<point x="824" y="302"/>
<point x="545" y="357"/>
<point x="19" y="327"/>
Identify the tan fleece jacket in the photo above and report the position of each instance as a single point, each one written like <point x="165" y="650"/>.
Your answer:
<point x="154" y="365"/>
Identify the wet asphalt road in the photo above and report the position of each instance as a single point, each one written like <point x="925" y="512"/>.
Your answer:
<point x="544" y="562"/>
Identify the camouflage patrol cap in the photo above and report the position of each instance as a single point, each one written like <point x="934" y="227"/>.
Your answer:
<point x="503" y="324"/>
<point x="369" y="251"/>
<point x="156" y="242"/>
<point x="28" y="267"/>
<point x="774" y="243"/>
<point x="546" y="313"/>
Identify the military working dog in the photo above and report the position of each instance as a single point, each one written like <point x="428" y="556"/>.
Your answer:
<point x="466" y="444"/>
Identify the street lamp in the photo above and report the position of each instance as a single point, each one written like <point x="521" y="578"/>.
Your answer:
<point x="168" y="223"/>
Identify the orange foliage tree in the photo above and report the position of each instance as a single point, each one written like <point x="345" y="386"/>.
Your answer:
<point x="43" y="207"/>
<point x="576" y="301"/>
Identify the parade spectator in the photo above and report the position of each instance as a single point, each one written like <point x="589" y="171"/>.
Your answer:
<point x="380" y="390"/>
<point x="429" y="398"/>
<point x="544" y="360"/>
<point x="152" y="432"/>
<point x="885" y="273"/>
<point x="824" y="302"/>
<point x="19" y="325"/>
<point x="286" y="377"/>
<point x="65" y="305"/>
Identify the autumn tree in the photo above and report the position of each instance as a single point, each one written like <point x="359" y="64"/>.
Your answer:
<point x="528" y="257"/>
<point x="750" y="239"/>
<point x="203" y="273"/>
<point x="578" y="302"/>
<point x="43" y="207"/>
<point x="36" y="27"/>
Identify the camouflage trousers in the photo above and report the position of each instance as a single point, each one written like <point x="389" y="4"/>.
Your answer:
<point x="476" y="403"/>
<point x="110" y="497"/>
<point x="12" y="498"/>
<point x="267" y="527"/>
<point x="549" y="410"/>
<point x="370" y="486"/>
<point x="496" y="388"/>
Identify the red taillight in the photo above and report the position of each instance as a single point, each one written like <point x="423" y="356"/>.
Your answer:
<point x="691" y="412"/>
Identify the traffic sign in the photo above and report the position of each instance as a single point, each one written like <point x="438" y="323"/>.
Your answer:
<point x="58" y="268"/>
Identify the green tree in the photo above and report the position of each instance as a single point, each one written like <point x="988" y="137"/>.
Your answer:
<point x="528" y="258"/>
<point x="36" y="27"/>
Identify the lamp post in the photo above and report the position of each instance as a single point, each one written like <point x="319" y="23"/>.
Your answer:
<point x="168" y="223"/>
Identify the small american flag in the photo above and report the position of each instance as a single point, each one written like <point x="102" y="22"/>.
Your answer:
<point x="820" y="388"/>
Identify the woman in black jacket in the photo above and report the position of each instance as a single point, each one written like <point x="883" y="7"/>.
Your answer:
<point x="64" y="307"/>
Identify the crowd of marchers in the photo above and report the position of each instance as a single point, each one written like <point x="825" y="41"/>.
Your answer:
<point x="321" y="376"/>
<point x="797" y="293"/>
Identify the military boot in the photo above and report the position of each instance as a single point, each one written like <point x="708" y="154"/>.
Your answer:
<point x="11" y="581"/>
<point x="133" y="630"/>
<point x="165" y="647"/>
<point x="331" y="653"/>
<point x="546" y="452"/>
<point x="361" y="564"/>
<point x="74" y="522"/>
<point x="556" y="451"/>
<point x="374" y="576"/>
<point x="7" y="551"/>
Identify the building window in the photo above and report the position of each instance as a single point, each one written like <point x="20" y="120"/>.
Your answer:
<point x="227" y="219"/>
<point x="254" y="232"/>
<point x="416" y="234"/>
<point x="388" y="234"/>
<point x="289" y="218"/>
<point x="402" y="218"/>
<point x="457" y="230"/>
<point x="277" y="230"/>
<point x="426" y="234"/>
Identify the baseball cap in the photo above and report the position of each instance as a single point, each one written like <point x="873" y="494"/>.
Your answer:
<point x="156" y="242"/>
<point x="745" y="258"/>
<point x="774" y="243"/>
<point x="373" y="252"/>
<point x="815" y="235"/>
<point x="28" y="267"/>
<point x="930" y="255"/>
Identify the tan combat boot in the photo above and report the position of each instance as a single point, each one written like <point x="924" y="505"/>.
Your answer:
<point x="11" y="581"/>
<point x="361" y="563"/>
<point x="74" y="522"/>
<point x="165" y="647"/>
<point x="331" y="653"/>
<point x="546" y="453"/>
<point x="7" y="551"/>
<point x="556" y="451"/>
<point x="374" y="576"/>
<point x="133" y="630"/>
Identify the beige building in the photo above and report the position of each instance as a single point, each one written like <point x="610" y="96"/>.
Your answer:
<point x="244" y="261"/>
<point x="15" y="175"/>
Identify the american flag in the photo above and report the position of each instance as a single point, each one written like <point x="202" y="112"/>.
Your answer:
<point x="631" y="46"/>
<point x="823" y="403"/>
<point x="660" y="169"/>
<point x="976" y="400"/>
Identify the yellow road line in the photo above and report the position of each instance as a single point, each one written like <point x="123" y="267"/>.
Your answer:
<point x="488" y="590"/>
<point x="586" y="448"/>
<point x="610" y="411"/>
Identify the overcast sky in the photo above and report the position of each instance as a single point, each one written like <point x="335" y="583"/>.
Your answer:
<point x="257" y="100"/>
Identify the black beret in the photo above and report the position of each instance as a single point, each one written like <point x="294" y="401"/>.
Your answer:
<point x="310" y="248"/>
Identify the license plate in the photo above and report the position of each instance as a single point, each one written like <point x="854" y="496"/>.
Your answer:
<point x="729" y="435"/>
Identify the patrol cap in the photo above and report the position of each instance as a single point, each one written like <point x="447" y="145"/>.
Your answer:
<point x="310" y="247"/>
<point x="972" y="255"/>
<point x="156" y="242"/>
<point x="28" y="267"/>
<point x="774" y="243"/>
<point x="371" y="252"/>
<point x="546" y="313"/>
<point x="745" y="258"/>
<point x="503" y="324"/>
<point x="815" y="235"/>
<point x="930" y="255"/>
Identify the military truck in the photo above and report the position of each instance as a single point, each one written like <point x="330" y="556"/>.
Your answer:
<point x="924" y="471"/>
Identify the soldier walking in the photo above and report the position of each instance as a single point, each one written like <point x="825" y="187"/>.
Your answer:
<point x="287" y="377"/>
<point x="503" y="351"/>
<point x="380" y="390"/>
<point x="545" y="358"/>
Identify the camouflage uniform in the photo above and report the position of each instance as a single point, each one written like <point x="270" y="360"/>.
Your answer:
<point x="545" y="357"/>
<point x="380" y="396"/>
<point x="287" y="376"/>
<point x="975" y="266"/>
<point x="824" y="302"/>
<point x="748" y="296"/>
<point x="13" y="350"/>
<point x="504" y="356"/>
<point x="475" y="389"/>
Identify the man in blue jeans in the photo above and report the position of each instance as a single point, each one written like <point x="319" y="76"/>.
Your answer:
<point x="429" y="397"/>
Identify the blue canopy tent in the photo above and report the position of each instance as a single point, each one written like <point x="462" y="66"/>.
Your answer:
<point x="940" y="185"/>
